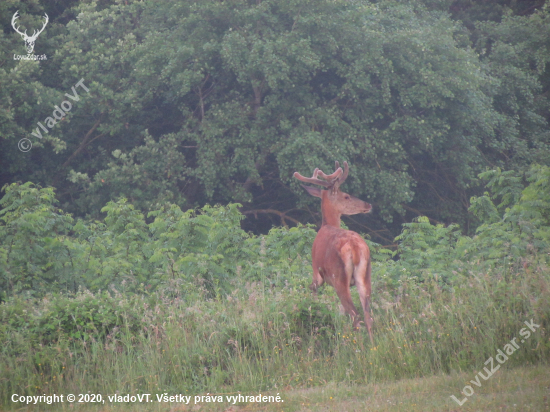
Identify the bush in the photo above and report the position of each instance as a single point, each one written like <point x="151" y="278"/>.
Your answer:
<point x="190" y="302"/>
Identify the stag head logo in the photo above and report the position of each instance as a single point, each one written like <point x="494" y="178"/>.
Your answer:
<point x="29" y="40"/>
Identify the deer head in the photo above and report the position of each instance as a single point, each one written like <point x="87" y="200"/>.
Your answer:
<point x="334" y="202"/>
<point x="29" y="40"/>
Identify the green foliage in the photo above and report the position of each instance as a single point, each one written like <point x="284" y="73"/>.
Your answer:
<point x="222" y="101"/>
<point x="281" y="257"/>
<point x="512" y="231"/>
<point x="261" y="339"/>
<point x="82" y="317"/>
<point x="148" y="288"/>
<point x="523" y="227"/>
<point x="234" y="309"/>
<point x="424" y="247"/>
<point x="35" y="252"/>
<point x="42" y="250"/>
<point x="148" y="175"/>
<point x="205" y="245"/>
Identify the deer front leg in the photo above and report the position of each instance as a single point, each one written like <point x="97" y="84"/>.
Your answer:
<point x="317" y="280"/>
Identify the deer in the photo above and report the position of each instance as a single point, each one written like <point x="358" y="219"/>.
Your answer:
<point x="340" y="257"/>
<point x="29" y="40"/>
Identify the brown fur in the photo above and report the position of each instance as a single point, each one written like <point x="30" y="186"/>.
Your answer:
<point x="341" y="257"/>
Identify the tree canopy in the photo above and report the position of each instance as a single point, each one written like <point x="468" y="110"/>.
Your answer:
<point x="217" y="102"/>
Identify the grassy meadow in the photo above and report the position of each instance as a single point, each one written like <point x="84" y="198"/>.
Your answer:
<point x="288" y="342"/>
<point x="187" y="304"/>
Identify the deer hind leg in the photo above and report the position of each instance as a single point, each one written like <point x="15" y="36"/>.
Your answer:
<point x="362" y="276"/>
<point x="342" y="285"/>
<point x="344" y="294"/>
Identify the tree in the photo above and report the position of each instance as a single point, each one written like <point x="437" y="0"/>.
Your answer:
<point x="223" y="101"/>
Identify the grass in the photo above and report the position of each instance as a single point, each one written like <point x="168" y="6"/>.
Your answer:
<point x="430" y="340"/>
<point x="520" y="389"/>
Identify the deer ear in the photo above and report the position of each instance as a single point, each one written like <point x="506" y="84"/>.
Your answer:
<point x="313" y="191"/>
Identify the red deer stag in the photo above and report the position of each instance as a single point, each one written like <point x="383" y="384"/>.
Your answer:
<point x="340" y="257"/>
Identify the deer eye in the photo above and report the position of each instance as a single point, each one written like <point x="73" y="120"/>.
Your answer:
<point x="346" y="197"/>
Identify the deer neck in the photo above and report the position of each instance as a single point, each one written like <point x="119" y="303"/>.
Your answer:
<point x="331" y="216"/>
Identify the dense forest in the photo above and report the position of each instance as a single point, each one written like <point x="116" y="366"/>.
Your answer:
<point x="153" y="238"/>
<point x="221" y="101"/>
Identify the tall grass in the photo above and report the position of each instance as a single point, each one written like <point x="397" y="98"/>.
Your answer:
<point x="265" y="338"/>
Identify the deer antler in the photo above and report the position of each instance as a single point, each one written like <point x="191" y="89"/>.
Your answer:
<point x="15" y="17"/>
<point x="332" y="181"/>
<point x="329" y="179"/>
<point x="35" y="34"/>
<point x="344" y="175"/>
<point x="47" y="19"/>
